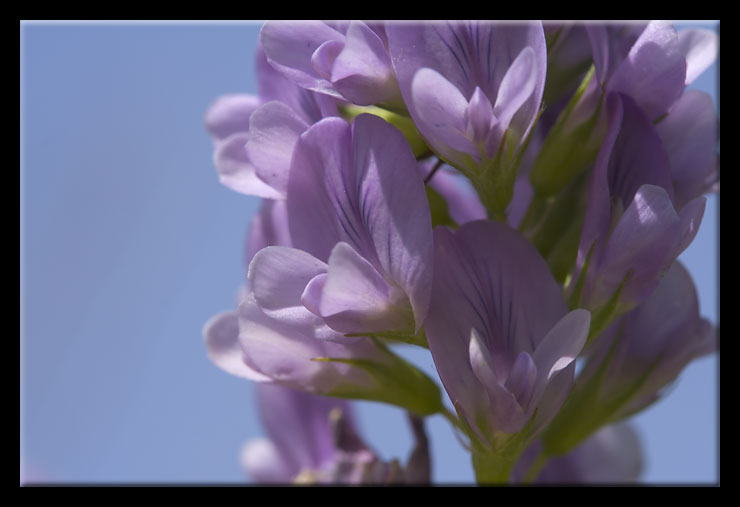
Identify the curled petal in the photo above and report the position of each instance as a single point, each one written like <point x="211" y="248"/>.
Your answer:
<point x="355" y="298"/>
<point x="362" y="72"/>
<point x="221" y="334"/>
<point x="289" y="48"/>
<point x="278" y="276"/>
<point x="236" y="171"/>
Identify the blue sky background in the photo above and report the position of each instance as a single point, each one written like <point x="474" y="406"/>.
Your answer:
<point x="128" y="244"/>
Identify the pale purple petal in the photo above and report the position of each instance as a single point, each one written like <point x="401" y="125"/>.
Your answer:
<point x="522" y="380"/>
<point x="285" y="353"/>
<point x="221" y="334"/>
<point x="700" y="50"/>
<point x="563" y="343"/>
<point x="362" y="72"/>
<point x="355" y="298"/>
<point x="457" y="58"/>
<point x="644" y="243"/>
<point x="273" y="85"/>
<point x="236" y="171"/>
<point x="273" y="131"/>
<point x="654" y="71"/>
<point x="363" y="189"/>
<point x="278" y="276"/>
<point x="630" y="216"/>
<point x="440" y="113"/>
<point x="492" y="286"/>
<point x="289" y="47"/>
<point x="298" y="424"/>
<point x="394" y="209"/>
<point x="517" y="86"/>
<point x="480" y="116"/>
<point x="316" y="190"/>
<point x="230" y="114"/>
<point x="323" y="58"/>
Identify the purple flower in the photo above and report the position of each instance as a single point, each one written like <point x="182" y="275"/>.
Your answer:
<point x="611" y="456"/>
<point x="632" y="232"/>
<point x="299" y="351"/>
<point x="470" y="85"/>
<point x="634" y="360"/>
<point x="254" y="135"/>
<point x="500" y="334"/>
<point x="303" y="444"/>
<point x="357" y="205"/>
<point x="650" y="63"/>
<point x="348" y="61"/>
<point x="314" y="440"/>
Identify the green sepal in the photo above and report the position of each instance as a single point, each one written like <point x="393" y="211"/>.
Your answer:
<point x="397" y="382"/>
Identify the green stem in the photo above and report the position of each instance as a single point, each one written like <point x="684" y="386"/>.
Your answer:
<point x="493" y="468"/>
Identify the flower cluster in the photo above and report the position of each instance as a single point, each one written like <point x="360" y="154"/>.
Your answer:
<point x="511" y="196"/>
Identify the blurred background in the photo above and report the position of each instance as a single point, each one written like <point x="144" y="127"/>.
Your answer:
<point x="129" y="244"/>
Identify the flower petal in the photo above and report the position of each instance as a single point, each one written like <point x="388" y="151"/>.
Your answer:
<point x="289" y="47"/>
<point x="221" y="334"/>
<point x="356" y="299"/>
<point x="700" y="50"/>
<point x="440" y="111"/>
<point x="362" y="72"/>
<point x="278" y="276"/>
<point x="273" y="131"/>
<point x="654" y="72"/>
<point x="230" y="114"/>
<point x="690" y="134"/>
<point x="236" y="171"/>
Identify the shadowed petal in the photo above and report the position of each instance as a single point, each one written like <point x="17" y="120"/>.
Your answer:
<point x="690" y="134"/>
